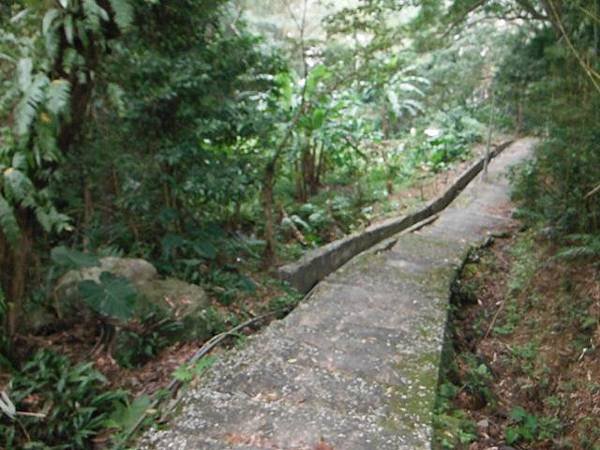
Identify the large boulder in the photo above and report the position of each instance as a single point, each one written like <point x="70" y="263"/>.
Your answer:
<point x="169" y="298"/>
<point x="138" y="271"/>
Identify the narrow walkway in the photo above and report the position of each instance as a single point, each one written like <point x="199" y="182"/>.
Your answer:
<point x="355" y="367"/>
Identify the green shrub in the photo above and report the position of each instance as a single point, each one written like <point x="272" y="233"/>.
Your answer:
<point x="65" y="405"/>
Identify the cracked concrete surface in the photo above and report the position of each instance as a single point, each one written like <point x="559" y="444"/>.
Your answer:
<point x="356" y="365"/>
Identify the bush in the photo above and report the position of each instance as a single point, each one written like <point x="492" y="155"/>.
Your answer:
<point x="65" y="405"/>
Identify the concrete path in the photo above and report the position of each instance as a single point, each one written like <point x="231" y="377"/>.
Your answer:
<point x="354" y="367"/>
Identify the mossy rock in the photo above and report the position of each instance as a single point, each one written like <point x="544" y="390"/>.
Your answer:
<point x="169" y="298"/>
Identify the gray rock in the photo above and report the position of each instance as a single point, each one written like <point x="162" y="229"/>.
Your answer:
<point x="169" y="298"/>
<point x="138" y="271"/>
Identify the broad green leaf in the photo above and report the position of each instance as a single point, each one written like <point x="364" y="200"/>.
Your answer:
<point x="73" y="259"/>
<point x="316" y="75"/>
<point x="171" y="242"/>
<point x="69" y="29"/>
<point x="113" y="297"/>
<point x="126" y="417"/>
<point x="318" y="118"/>
<point x="511" y="435"/>
<point x="51" y="220"/>
<point x="7" y="406"/>
<point x="518" y="414"/>
<point x="19" y="161"/>
<point x="205" y="249"/>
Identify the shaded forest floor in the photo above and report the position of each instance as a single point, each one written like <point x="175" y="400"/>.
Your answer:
<point x="524" y="367"/>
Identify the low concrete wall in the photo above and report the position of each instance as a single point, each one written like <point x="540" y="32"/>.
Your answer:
<point x="317" y="264"/>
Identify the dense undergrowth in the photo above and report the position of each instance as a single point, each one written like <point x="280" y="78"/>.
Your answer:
<point x="522" y="364"/>
<point x="215" y="145"/>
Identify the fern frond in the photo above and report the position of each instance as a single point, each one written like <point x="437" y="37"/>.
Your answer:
<point x="24" y="68"/>
<point x="7" y="57"/>
<point x="19" y="161"/>
<point x="17" y="186"/>
<point x="589" y="247"/>
<point x="51" y="220"/>
<point x="51" y="42"/>
<point x="58" y="96"/>
<point x="123" y="13"/>
<point x="94" y="14"/>
<point x="49" y="19"/>
<point x="407" y="87"/>
<point x="29" y="104"/>
<point x="413" y="106"/>
<point x="69" y="29"/>
<point x="8" y="222"/>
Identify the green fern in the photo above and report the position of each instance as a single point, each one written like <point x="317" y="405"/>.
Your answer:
<point x="28" y="106"/>
<point x="49" y="19"/>
<point x="94" y="15"/>
<point x="123" y="13"/>
<point x="24" y="72"/>
<point x="587" y="246"/>
<point x="58" y="96"/>
<point x="51" y="38"/>
<point x="8" y="222"/>
<point x="51" y="220"/>
<point x="17" y="186"/>
<point x="69" y="29"/>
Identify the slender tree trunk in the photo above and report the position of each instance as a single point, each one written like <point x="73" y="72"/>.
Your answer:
<point x="320" y="165"/>
<point x="16" y="263"/>
<point x="268" y="202"/>
<point x="88" y="210"/>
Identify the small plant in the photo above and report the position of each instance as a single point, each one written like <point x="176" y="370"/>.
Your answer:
<point x="581" y="246"/>
<point x="58" y="405"/>
<point x="511" y="318"/>
<point x="524" y="356"/>
<point x="524" y="266"/>
<point x="478" y="378"/>
<point x="452" y="426"/>
<point x="187" y="372"/>
<point x="284" y="303"/>
<point x="529" y="428"/>
<point x="134" y="348"/>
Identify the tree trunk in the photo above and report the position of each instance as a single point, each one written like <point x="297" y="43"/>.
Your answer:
<point x="320" y="165"/>
<point x="268" y="202"/>
<point x="16" y="263"/>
